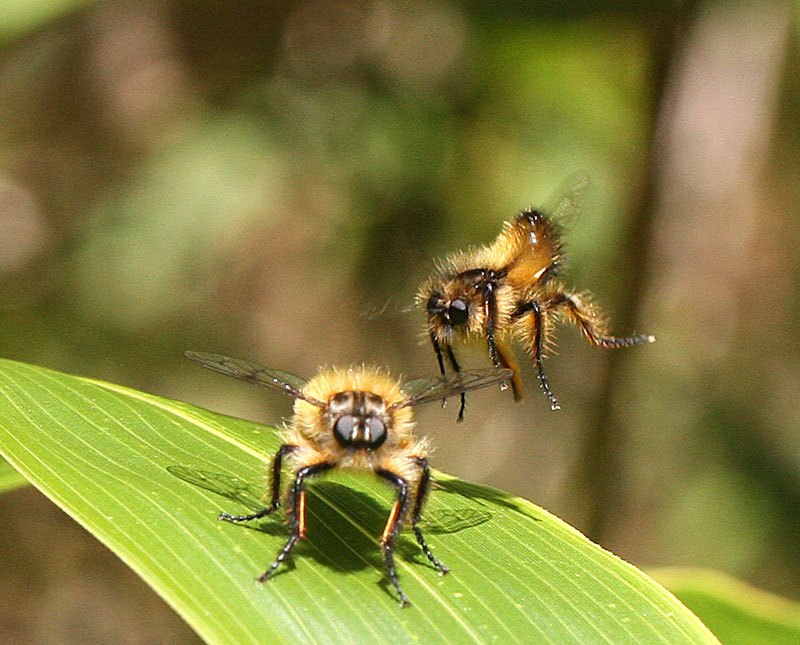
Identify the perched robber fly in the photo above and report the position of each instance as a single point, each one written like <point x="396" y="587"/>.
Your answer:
<point x="510" y="289"/>
<point x="358" y="418"/>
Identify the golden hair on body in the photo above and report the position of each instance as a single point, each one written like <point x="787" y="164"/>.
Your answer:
<point x="359" y="418"/>
<point x="510" y="289"/>
<point x="310" y="426"/>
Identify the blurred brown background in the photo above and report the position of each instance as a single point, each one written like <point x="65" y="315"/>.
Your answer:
<point x="272" y="181"/>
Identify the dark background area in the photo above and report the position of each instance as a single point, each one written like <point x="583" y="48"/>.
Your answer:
<point x="273" y="181"/>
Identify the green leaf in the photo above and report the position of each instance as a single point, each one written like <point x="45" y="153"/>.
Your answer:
<point x="10" y="478"/>
<point x="148" y="476"/>
<point x="736" y="612"/>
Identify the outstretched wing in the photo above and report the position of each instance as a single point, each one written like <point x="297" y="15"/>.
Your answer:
<point x="566" y="199"/>
<point x="263" y="376"/>
<point x="437" y="388"/>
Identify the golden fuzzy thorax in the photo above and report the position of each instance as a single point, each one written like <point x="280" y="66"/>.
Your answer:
<point x="311" y="428"/>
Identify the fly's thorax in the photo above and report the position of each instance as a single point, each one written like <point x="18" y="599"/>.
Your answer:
<point x="329" y="382"/>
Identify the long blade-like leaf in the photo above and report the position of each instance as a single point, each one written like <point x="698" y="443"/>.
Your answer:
<point x="148" y="476"/>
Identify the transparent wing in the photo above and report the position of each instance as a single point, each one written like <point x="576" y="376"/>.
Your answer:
<point x="436" y="388"/>
<point x="566" y="199"/>
<point x="246" y="371"/>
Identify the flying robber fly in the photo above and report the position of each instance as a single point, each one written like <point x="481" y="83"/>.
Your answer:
<point x="511" y="289"/>
<point x="357" y="418"/>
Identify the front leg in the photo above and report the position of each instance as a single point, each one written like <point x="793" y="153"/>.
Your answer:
<point x="438" y="351"/>
<point x="298" y="502"/>
<point x="393" y="526"/>
<point x="451" y="357"/>
<point x="298" y="514"/>
<point x="419" y="500"/>
<point x="499" y="359"/>
<point x="276" y="490"/>
<point x="491" y="322"/>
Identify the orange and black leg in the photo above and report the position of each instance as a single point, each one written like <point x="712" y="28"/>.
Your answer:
<point x="275" y="502"/>
<point x="298" y="503"/>
<point x="298" y="514"/>
<point x="536" y="339"/>
<point x="393" y="526"/>
<point x="588" y="320"/>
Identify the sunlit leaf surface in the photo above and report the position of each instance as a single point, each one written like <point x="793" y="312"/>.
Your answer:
<point x="148" y="476"/>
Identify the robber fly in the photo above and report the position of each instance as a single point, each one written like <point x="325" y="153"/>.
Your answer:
<point x="511" y="289"/>
<point x="357" y="418"/>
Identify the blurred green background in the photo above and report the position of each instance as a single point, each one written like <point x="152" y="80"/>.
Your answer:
<point x="273" y="181"/>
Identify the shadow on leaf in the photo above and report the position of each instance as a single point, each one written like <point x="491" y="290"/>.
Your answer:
<point x="234" y="488"/>
<point x="475" y="493"/>
<point x="344" y="524"/>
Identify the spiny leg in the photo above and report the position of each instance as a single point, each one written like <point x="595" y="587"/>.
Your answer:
<point x="452" y="358"/>
<point x="536" y="347"/>
<point x="298" y="513"/>
<point x="438" y="351"/>
<point x="275" y="502"/>
<point x="498" y="359"/>
<point x="422" y="493"/>
<point x="392" y="527"/>
<point x="457" y="368"/>
<point x="590" y="324"/>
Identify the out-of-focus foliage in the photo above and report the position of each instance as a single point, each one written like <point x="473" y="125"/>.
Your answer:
<point x="272" y="180"/>
<point x="737" y="613"/>
<point x="20" y="18"/>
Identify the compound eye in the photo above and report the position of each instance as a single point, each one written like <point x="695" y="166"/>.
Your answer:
<point x="343" y="430"/>
<point x="377" y="432"/>
<point x="457" y="312"/>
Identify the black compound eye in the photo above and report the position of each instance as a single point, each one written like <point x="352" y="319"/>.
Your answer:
<point x="343" y="430"/>
<point x="457" y="312"/>
<point x="377" y="431"/>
